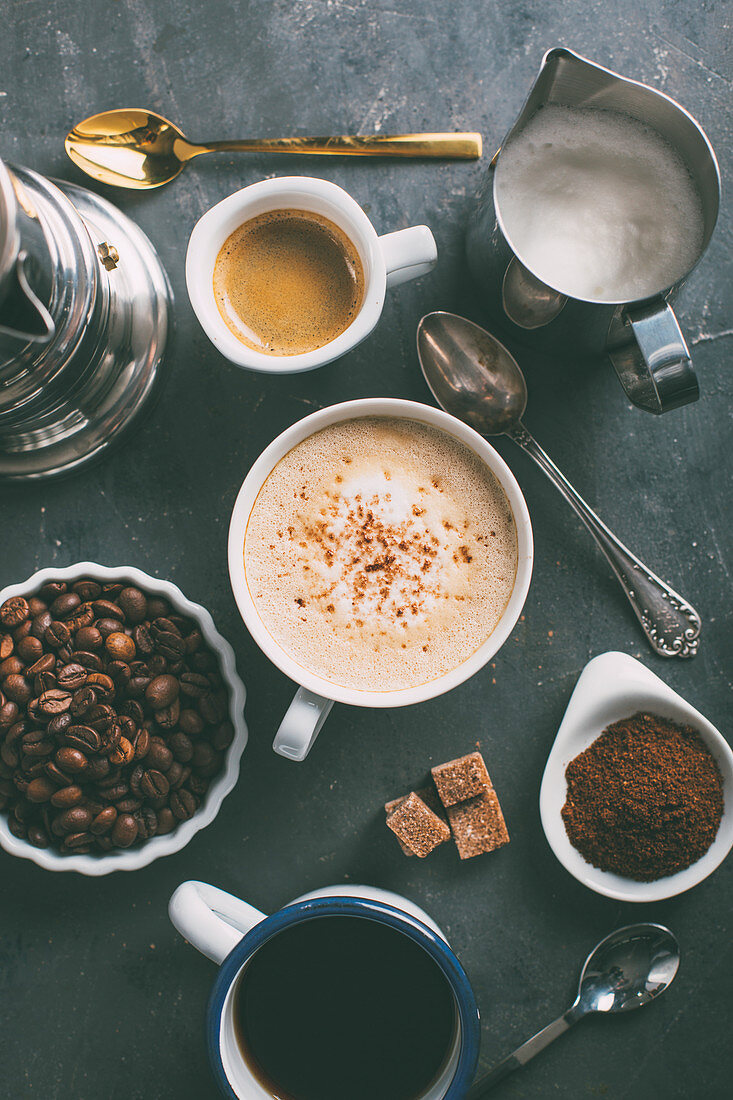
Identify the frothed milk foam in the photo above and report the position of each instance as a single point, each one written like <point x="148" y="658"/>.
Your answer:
<point x="380" y="553"/>
<point x="597" y="205"/>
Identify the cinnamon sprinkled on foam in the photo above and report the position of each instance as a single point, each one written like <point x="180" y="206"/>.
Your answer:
<point x="370" y="568"/>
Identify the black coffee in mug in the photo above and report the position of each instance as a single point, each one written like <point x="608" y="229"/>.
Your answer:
<point x="344" y="1008"/>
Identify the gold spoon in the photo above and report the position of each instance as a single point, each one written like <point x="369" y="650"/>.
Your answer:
<point x="139" y="149"/>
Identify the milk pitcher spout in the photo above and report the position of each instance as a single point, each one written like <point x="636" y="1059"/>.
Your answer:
<point x="635" y="329"/>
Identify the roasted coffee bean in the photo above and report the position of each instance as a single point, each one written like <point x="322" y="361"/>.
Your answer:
<point x="212" y="709"/>
<point x="80" y="843"/>
<point x="116" y="791"/>
<point x="133" y="708"/>
<point x="108" y="626"/>
<point x="159" y="755"/>
<point x="55" y="774"/>
<point x="183" y="804"/>
<point x="167" y="821"/>
<point x="177" y="775"/>
<point x="71" y="760"/>
<point x="120" y="673"/>
<point x="17" y="828"/>
<point x="223" y="737"/>
<point x="99" y="768"/>
<point x="37" y="743"/>
<point x="154" y="785"/>
<point x="40" y="790"/>
<point x="122" y="753"/>
<point x="103" y="843"/>
<point x="193" y="641"/>
<point x="134" y="604"/>
<point x="167" y="717"/>
<point x="71" y="677"/>
<point x="102" y="716"/>
<point x="64" y="605"/>
<point x="82" y="617"/>
<point x="169" y="645"/>
<point x="57" y="634"/>
<point x="161" y="691"/>
<point x="54" y="701"/>
<point x="194" y="684"/>
<point x="105" y="609"/>
<point x="87" y="590"/>
<point x="44" y="681"/>
<point x="82" y="701"/>
<point x="89" y="639"/>
<point x="135" y="778"/>
<point x="203" y="755"/>
<point x="46" y="663"/>
<point x="29" y="649"/>
<point x="147" y="822"/>
<point x="104" y="821"/>
<point x="137" y="685"/>
<point x="83" y="737"/>
<point x="92" y="662"/>
<point x="102" y="684"/>
<point x="143" y="640"/>
<point x="120" y="646"/>
<point x="58" y="724"/>
<point x="17" y="689"/>
<point x="6" y="646"/>
<point x="11" y="666"/>
<point x="128" y="805"/>
<point x="38" y="836"/>
<point x="40" y="625"/>
<point x="181" y="746"/>
<point x="14" y="612"/>
<point x="157" y="665"/>
<point x="8" y="714"/>
<point x="198" y="783"/>
<point x="63" y="798"/>
<point x="124" y="831"/>
<point x="74" y="820"/>
<point x="141" y="744"/>
<point x="52" y="589"/>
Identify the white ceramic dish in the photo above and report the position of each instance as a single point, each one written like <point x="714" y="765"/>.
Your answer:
<point x="132" y="859"/>
<point x="611" y="687"/>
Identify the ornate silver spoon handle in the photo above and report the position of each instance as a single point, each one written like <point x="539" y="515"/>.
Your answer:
<point x="671" y="625"/>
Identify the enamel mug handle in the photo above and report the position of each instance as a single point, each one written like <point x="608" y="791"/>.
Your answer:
<point x="210" y="919"/>
<point x="301" y="725"/>
<point x="408" y="253"/>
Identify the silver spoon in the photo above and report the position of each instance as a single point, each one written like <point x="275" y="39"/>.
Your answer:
<point x="475" y="378"/>
<point x="628" y="969"/>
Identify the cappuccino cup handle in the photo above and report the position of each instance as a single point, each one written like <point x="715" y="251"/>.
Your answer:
<point x="210" y="919"/>
<point x="408" y="253"/>
<point x="302" y="724"/>
<point x="651" y="359"/>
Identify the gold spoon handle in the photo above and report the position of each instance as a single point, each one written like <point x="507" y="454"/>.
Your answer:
<point x="458" y="146"/>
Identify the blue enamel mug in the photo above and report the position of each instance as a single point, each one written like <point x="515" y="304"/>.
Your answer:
<point x="229" y="932"/>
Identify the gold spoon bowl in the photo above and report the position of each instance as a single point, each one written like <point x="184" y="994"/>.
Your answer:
<point x="136" y="148"/>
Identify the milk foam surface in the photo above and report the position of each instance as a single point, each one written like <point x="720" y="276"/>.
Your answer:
<point x="598" y="205"/>
<point x="380" y="553"/>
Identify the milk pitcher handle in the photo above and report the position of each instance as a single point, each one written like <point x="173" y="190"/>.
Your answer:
<point x="210" y="919"/>
<point x="301" y="725"/>
<point x="651" y="358"/>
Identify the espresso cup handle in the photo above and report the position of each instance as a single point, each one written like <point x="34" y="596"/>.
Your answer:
<point x="302" y="724"/>
<point x="210" y="919"/>
<point x="408" y="253"/>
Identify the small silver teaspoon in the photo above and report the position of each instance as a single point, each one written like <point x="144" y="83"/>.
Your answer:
<point x="474" y="377"/>
<point x="628" y="969"/>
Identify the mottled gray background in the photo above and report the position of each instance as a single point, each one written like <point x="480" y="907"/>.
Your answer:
<point x="98" y="996"/>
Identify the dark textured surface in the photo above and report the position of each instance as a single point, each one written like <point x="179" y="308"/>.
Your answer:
<point x="99" y="997"/>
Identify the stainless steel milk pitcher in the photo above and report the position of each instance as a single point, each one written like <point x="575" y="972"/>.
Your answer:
<point x="641" y="337"/>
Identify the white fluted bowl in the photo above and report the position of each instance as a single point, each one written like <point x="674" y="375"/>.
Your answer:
<point x="131" y="859"/>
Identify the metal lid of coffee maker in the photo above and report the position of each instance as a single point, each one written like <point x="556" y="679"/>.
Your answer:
<point x="9" y="240"/>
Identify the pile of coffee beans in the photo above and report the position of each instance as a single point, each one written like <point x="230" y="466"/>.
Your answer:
<point x="113" y="716"/>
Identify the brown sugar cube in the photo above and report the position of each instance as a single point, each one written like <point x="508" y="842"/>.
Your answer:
<point x="460" y="779"/>
<point x="417" y="827"/>
<point x="429" y="795"/>
<point x="478" y="825"/>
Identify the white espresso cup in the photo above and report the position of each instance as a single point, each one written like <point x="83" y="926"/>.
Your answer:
<point x="316" y="695"/>
<point x="387" y="261"/>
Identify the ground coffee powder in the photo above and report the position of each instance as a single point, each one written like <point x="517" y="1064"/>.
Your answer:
<point x="645" y="799"/>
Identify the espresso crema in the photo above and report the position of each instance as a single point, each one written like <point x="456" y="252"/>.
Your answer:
<point x="380" y="553"/>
